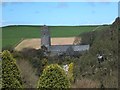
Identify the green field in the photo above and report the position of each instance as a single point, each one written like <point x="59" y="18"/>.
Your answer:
<point x="11" y="35"/>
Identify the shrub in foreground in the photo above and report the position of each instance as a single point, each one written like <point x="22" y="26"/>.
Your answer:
<point x="53" y="76"/>
<point x="70" y="72"/>
<point x="10" y="72"/>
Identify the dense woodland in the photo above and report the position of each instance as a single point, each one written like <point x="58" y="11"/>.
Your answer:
<point x="87" y="72"/>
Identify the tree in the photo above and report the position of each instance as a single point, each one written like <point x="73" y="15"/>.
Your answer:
<point x="70" y="72"/>
<point x="53" y="76"/>
<point x="10" y="72"/>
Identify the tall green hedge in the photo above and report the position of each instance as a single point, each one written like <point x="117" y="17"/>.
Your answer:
<point x="53" y="76"/>
<point x="10" y="72"/>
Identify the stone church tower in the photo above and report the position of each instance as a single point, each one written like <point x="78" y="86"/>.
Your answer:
<point x="45" y="37"/>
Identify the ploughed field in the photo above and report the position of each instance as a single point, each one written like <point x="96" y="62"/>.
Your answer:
<point x="13" y="35"/>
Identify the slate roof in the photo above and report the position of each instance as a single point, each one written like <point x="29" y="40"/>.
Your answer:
<point x="64" y="48"/>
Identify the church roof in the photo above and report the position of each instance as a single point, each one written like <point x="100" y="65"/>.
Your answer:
<point x="64" y="48"/>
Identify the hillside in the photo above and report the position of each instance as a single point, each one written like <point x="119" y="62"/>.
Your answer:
<point x="105" y="43"/>
<point x="12" y="35"/>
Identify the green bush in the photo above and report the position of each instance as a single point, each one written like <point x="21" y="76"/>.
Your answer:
<point x="10" y="72"/>
<point x="70" y="72"/>
<point x="53" y="76"/>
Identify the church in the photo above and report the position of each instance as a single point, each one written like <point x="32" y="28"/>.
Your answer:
<point x="69" y="50"/>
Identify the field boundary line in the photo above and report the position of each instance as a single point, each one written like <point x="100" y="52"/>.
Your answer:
<point x="18" y="42"/>
<point x="96" y="28"/>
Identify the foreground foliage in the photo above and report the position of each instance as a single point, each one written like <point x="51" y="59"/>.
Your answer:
<point x="53" y="76"/>
<point x="70" y="72"/>
<point x="10" y="72"/>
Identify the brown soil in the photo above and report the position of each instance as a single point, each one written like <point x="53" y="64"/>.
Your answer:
<point x="36" y="42"/>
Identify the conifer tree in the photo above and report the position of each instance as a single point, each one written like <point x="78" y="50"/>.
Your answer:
<point x="53" y="76"/>
<point x="10" y="72"/>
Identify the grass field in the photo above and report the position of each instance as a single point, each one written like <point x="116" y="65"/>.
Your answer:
<point x="11" y="35"/>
